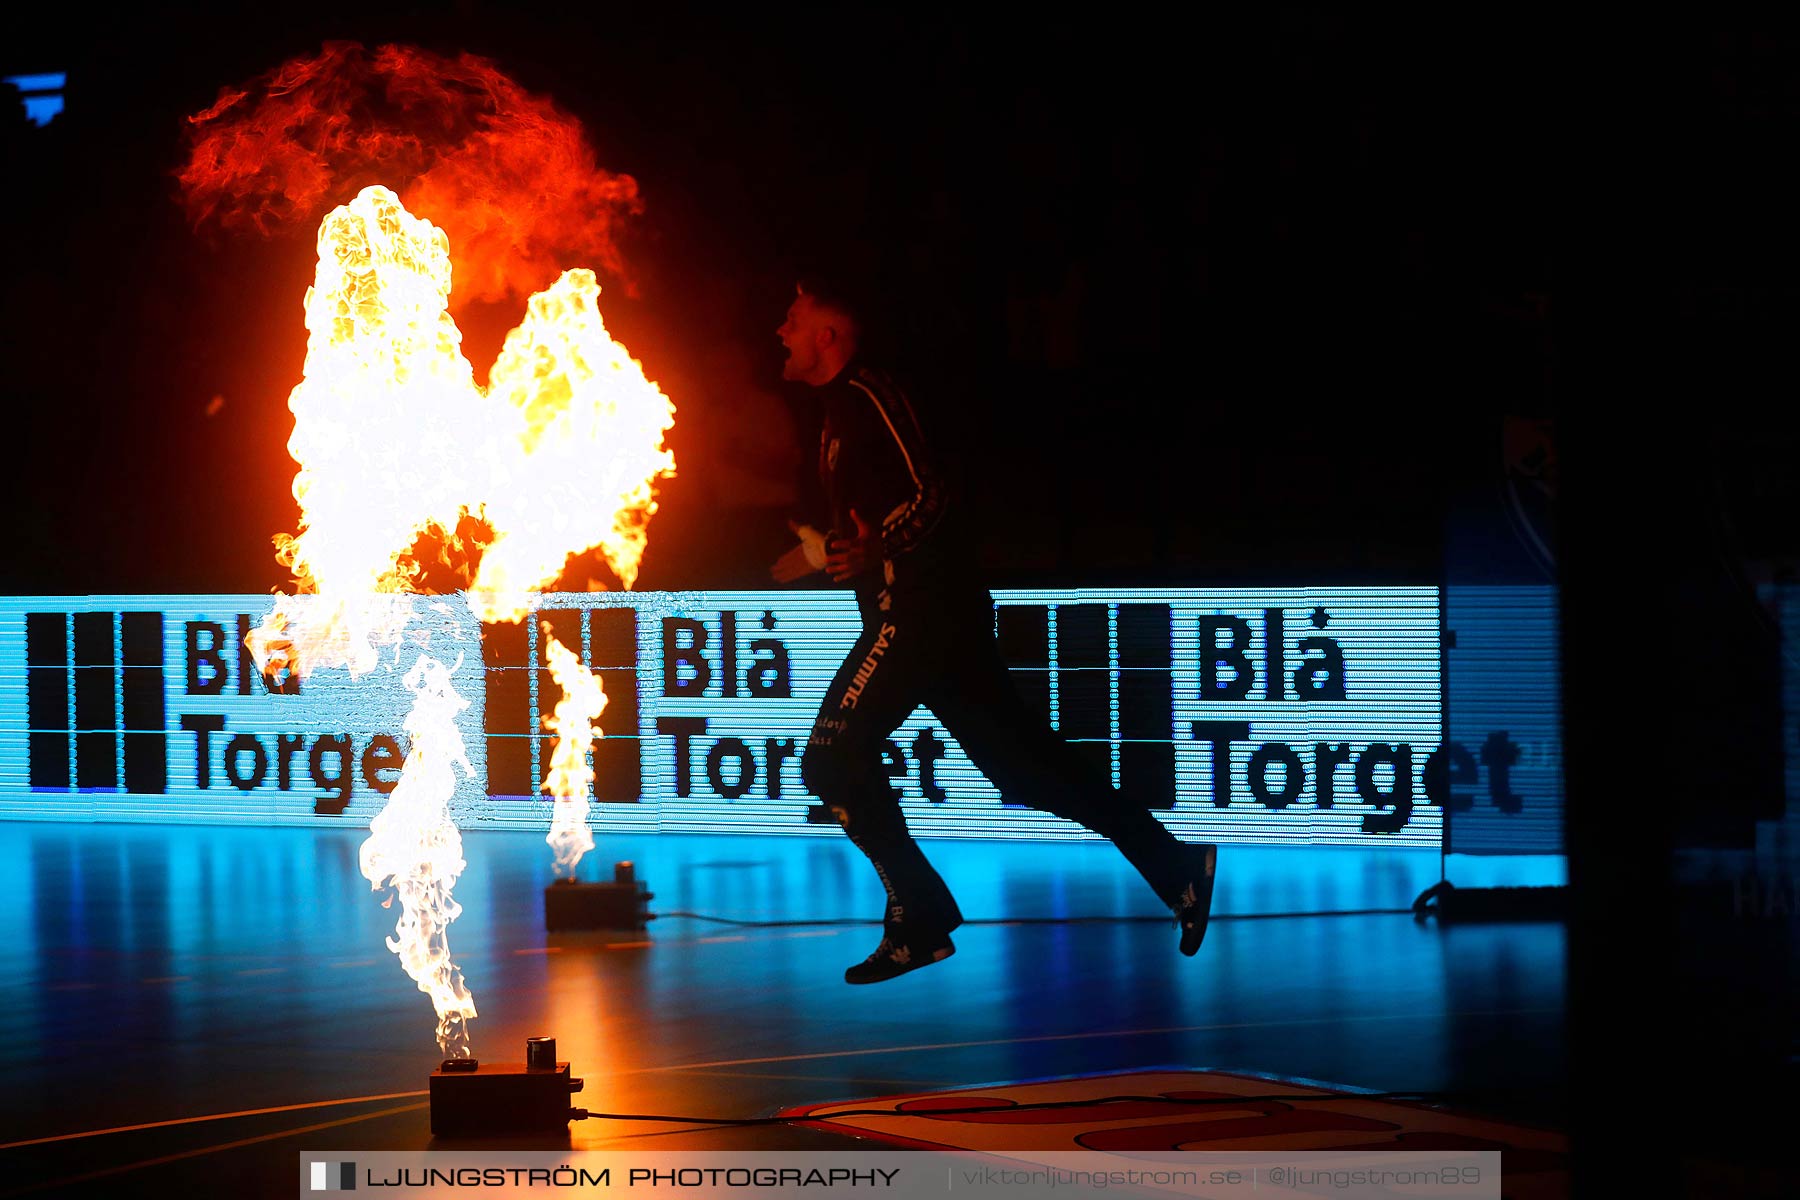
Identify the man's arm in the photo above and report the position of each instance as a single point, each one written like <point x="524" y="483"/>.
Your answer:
<point x="912" y="520"/>
<point x="802" y="560"/>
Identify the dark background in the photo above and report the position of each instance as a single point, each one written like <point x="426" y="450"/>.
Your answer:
<point x="1234" y="301"/>
<point x="1223" y="300"/>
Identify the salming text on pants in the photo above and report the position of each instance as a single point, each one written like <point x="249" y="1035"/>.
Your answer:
<point x="943" y="655"/>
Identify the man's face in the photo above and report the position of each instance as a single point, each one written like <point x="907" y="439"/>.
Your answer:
<point x="805" y="333"/>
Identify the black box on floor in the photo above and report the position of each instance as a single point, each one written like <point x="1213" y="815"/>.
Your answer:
<point x="1454" y="904"/>
<point x="501" y="1098"/>
<point x="616" y="905"/>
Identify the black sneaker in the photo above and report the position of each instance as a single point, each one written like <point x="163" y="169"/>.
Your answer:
<point x="898" y="954"/>
<point x="1194" y="904"/>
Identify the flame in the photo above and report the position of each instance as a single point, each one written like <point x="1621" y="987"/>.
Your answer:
<point x="589" y="428"/>
<point x="570" y="777"/>
<point x="396" y="442"/>
<point x="414" y="847"/>
<point x="379" y="418"/>
<point x="509" y="176"/>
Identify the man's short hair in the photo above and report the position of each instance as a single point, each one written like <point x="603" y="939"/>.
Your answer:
<point x="865" y="299"/>
<point x="833" y="294"/>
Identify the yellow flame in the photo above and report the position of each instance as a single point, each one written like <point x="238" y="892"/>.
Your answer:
<point x="589" y="428"/>
<point x="570" y="777"/>
<point x="386" y="399"/>
<point x="394" y="439"/>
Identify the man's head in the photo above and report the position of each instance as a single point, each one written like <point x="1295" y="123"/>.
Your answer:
<point x="820" y="333"/>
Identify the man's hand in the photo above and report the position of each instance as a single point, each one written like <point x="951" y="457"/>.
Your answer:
<point x="802" y="560"/>
<point x="792" y="566"/>
<point x="846" y="558"/>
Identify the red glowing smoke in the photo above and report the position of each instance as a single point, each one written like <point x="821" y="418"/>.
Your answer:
<point x="507" y="175"/>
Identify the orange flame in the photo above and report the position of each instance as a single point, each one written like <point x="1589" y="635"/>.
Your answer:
<point x="386" y="400"/>
<point x="570" y="777"/>
<point x="394" y="441"/>
<point x="588" y="428"/>
<point x="509" y="176"/>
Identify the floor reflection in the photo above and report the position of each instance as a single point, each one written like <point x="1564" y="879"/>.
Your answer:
<point x="243" y="968"/>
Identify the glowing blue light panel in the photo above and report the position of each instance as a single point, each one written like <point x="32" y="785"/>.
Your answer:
<point x="1275" y="715"/>
<point x="1504" y="754"/>
<point x="42" y="93"/>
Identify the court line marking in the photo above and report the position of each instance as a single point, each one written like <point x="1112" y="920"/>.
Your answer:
<point x="923" y="1083"/>
<point x="1071" y="1037"/>
<point x="248" y="1112"/>
<point x="745" y="1062"/>
<point x="169" y="1158"/>
<point x="602" y="1142"/>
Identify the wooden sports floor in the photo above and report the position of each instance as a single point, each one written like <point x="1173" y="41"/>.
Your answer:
<point x="189" y="1008"/>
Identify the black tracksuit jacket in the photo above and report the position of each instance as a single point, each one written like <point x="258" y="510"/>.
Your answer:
<point x="874" y="458"/>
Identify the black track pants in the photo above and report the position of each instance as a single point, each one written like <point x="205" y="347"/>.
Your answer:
<point x="945" y="657"/>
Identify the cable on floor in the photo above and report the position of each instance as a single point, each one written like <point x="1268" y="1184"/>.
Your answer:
<point x="1197" y="1102"/>
<point x="1342" y="912"/>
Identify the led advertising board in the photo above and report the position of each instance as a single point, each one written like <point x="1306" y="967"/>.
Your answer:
<point x="1271" y="715"/>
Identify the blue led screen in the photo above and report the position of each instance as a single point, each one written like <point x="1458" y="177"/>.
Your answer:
<point x="1274" y="715"/>
<point x="1503" y="683"/>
